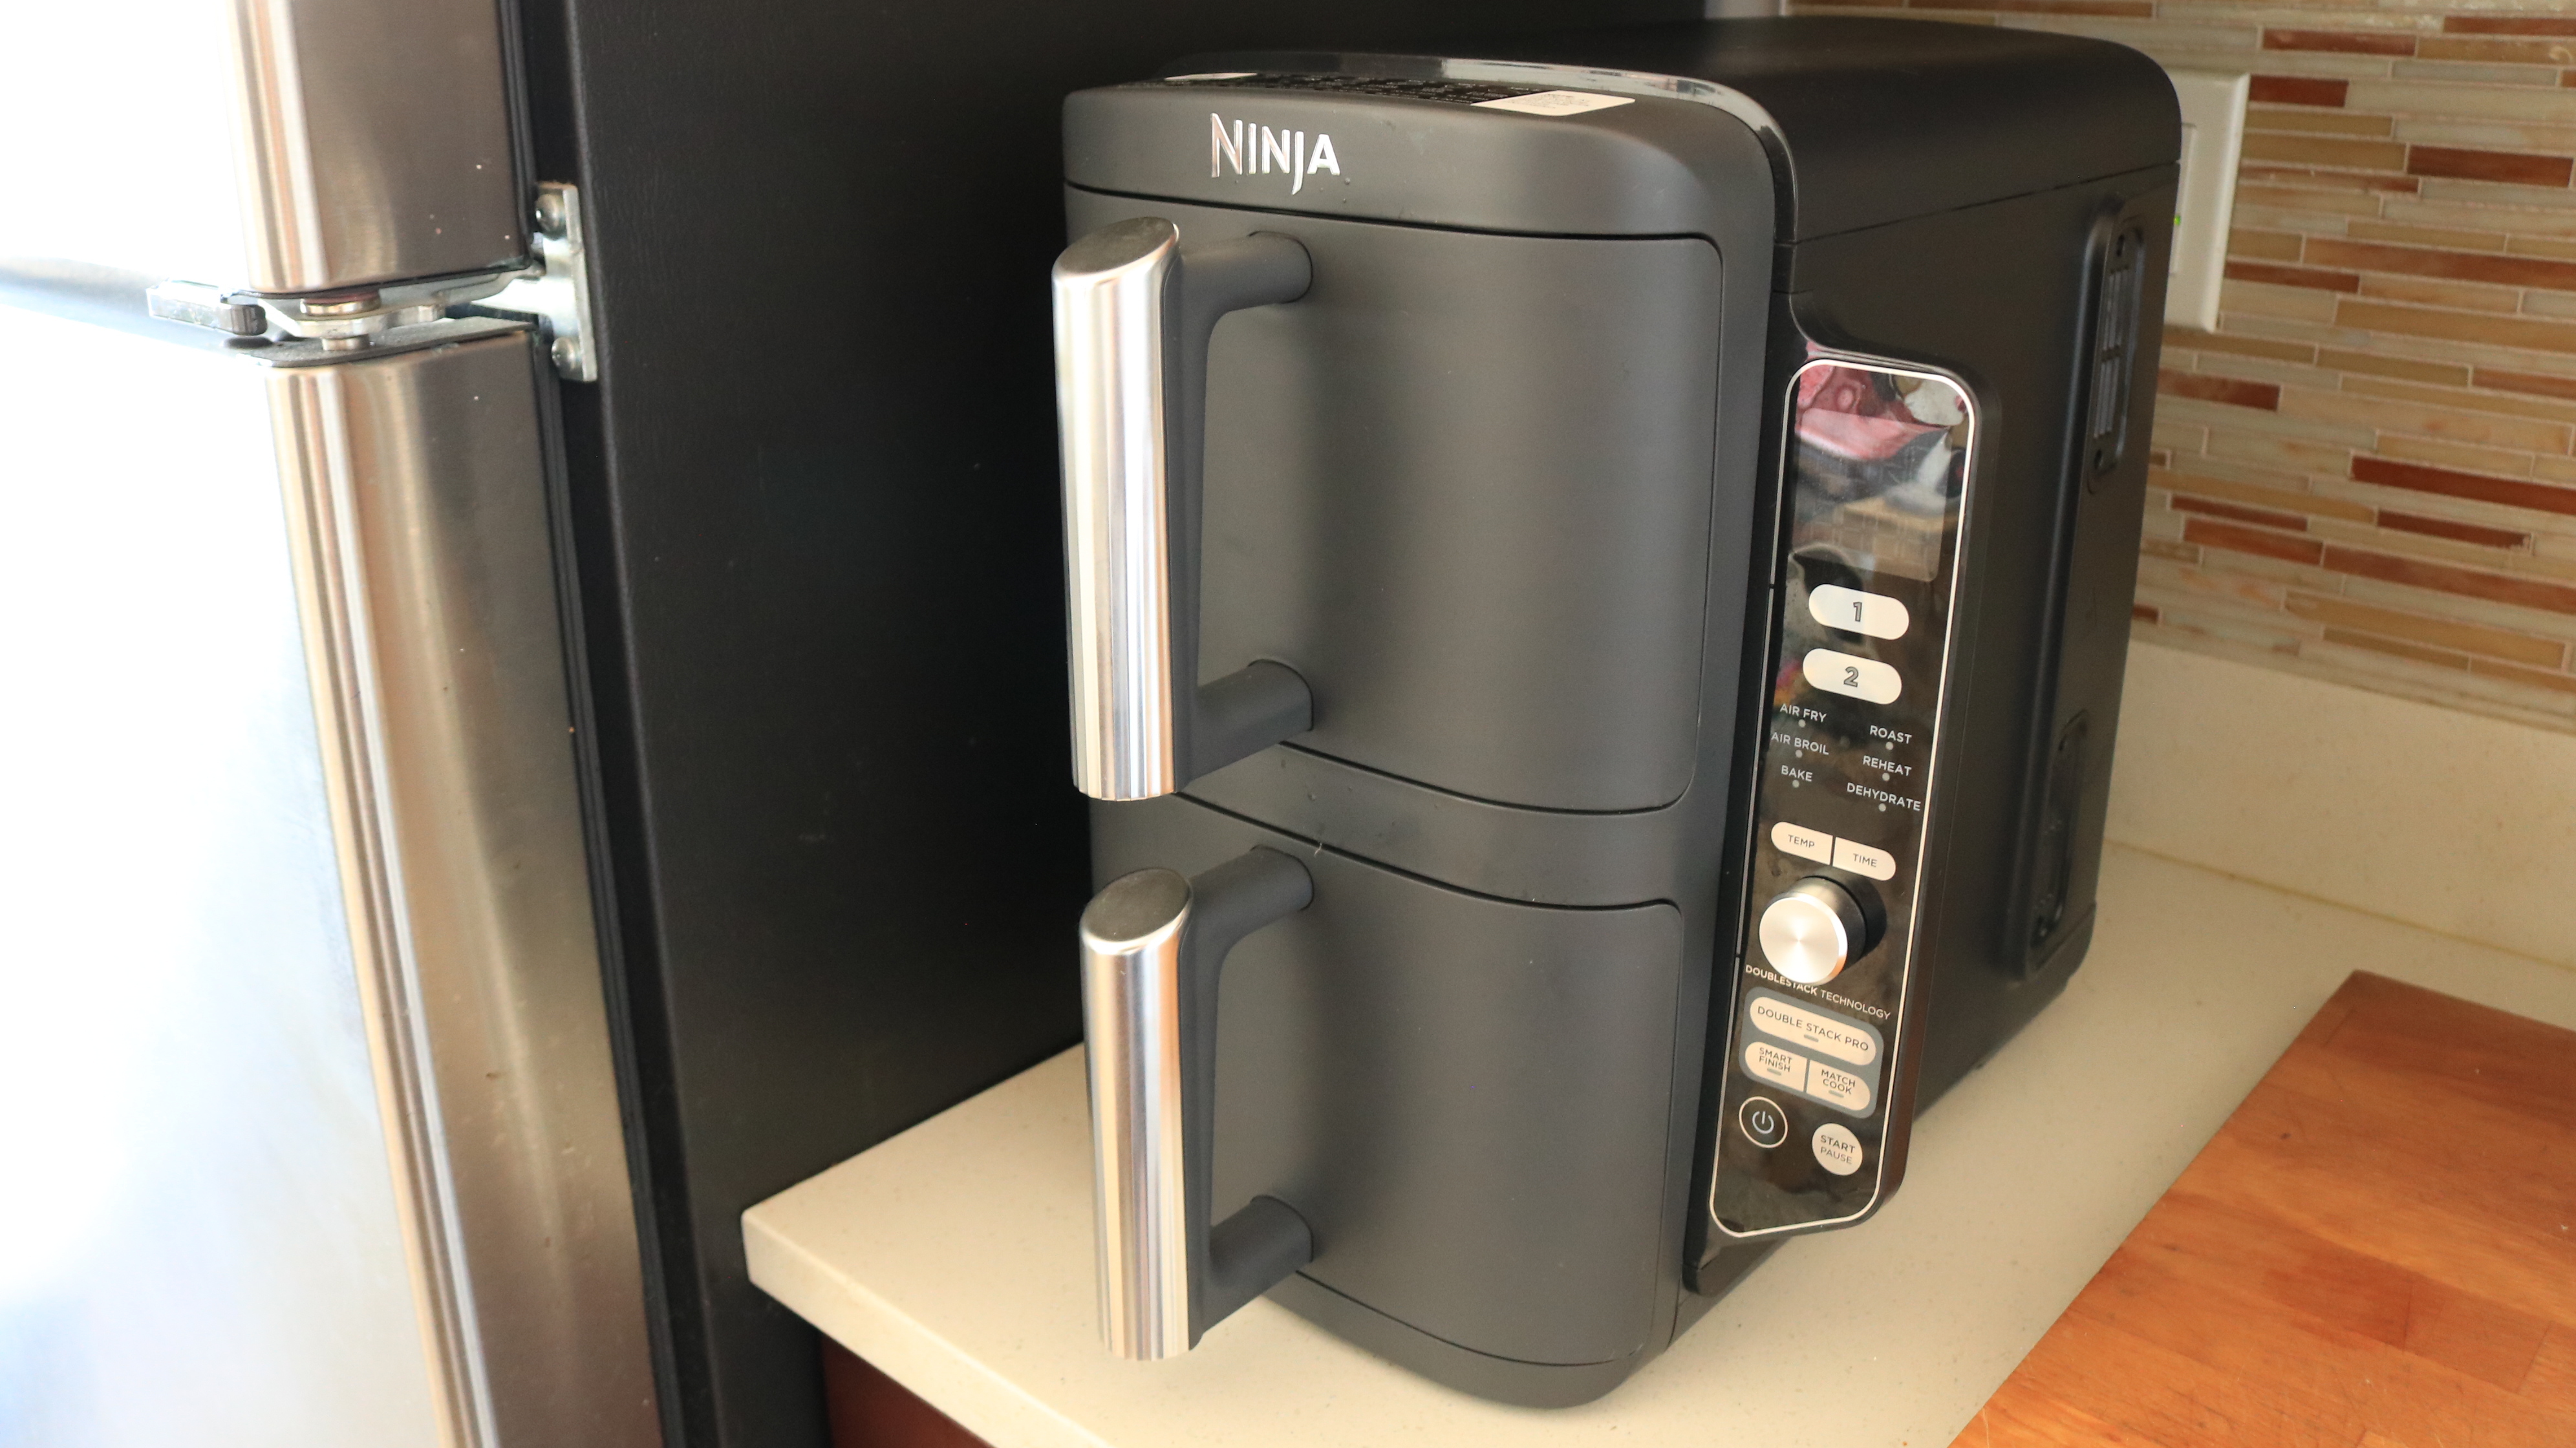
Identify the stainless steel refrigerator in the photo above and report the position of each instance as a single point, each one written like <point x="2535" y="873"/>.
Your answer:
<point x="530" y="607"/>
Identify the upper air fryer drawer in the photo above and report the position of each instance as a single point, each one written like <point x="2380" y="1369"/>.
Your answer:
<point x="1463" y="487"/>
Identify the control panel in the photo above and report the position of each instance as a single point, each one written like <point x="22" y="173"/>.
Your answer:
<point x="1877" y="469"/>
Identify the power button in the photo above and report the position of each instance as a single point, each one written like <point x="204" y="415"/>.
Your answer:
<point x="1764" y="1123"/>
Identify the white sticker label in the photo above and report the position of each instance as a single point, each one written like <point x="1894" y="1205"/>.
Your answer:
<point x="1557" y="103"/>
<point x="1214" y="75"/>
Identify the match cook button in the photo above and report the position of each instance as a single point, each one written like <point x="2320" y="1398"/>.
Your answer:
<point x="1853" y="611"/>
<point x="1804" y="843"/>
<point x="1840" y="673"/>
<point x="1769" y="1063"/>
<point x="1843" y="1040"/>
<point x="1863" y="860"/>
<point x="1837" y="1150"/>
<point x="1838" y="1088"/>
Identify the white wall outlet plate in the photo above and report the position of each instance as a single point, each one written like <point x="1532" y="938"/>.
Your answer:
<point x="2213" y="136"/>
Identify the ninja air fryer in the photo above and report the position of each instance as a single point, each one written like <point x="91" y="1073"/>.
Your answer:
<point x="1599" y="575"/>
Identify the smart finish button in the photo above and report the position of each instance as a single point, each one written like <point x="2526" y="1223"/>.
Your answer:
<point x="1766" y="1125"/>
<point x="1837" y="1150"/>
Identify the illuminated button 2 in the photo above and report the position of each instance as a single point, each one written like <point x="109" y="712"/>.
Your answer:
<point x="1837" y="1150"/>
<point x="1804" y="843"/>
<point x="1839" y="673"/>
<point x="1838" y="1088"/>
<point x="1763" y="1122"/>
<point x="1862" y="860"/>
<point x="1853" y="611"/>
<point x="1769" y="1063"/>
<point x="1832" y="1035"/>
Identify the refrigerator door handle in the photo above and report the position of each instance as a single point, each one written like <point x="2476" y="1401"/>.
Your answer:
<point x="1153" y="946"/>
<point x="1134" y="312"/>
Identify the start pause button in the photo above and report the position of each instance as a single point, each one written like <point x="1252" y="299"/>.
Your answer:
<point x="1837" y="1150"/>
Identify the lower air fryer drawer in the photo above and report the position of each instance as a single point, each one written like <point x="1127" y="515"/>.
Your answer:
<point x="1466" y="1098"/>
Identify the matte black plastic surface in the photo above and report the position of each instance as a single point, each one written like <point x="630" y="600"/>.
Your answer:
<point x="1236" y="1257"/>
<point x="1247" y="709"/>
<point x="2032" y="264"/>
<point x="815" y="493"/>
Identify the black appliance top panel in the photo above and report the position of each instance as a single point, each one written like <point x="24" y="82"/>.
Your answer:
<point x="1879" y="119"/>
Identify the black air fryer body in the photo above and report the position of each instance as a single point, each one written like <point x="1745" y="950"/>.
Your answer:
<point x="1632" y="363"/>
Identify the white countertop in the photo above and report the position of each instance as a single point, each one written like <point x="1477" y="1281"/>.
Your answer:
<point x="957" y="1256"/>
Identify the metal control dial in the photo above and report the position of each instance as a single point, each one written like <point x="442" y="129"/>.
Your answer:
<point x="1813" y="930"/>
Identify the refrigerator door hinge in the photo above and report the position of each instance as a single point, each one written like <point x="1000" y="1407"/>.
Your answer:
<point x="555" y="291"/>
<point x="351" y="319"/>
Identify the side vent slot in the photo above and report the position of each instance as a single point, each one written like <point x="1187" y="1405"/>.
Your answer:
<point x="2115" y="345"/>
<point x="2054" y="858"/>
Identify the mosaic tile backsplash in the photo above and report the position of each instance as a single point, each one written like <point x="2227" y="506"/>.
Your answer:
<point x="2366" y="471"/>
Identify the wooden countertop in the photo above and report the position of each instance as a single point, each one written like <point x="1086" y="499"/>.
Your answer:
<point x="2378" y="1248"/>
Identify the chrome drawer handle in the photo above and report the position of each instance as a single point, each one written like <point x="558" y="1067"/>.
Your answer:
<point x="1153" y="946"/>
<point x="1134" y="311"/>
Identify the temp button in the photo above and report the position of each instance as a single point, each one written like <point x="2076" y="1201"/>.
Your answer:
<point x="1853" y="611"/>
<point x="1841" y="673"/>
<point x="1803" y="842"/>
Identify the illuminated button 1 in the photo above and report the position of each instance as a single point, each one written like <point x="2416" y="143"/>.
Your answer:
<point x="1853" y="611"/>
<point x="1839" y="1088"/>
<point x="1861" y="860"/>
<point x="1839" y="673"/>
<point x="1837" y="1150"/>
<point x="1804" y="843"/>
<point x="1785" y="1068"/>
